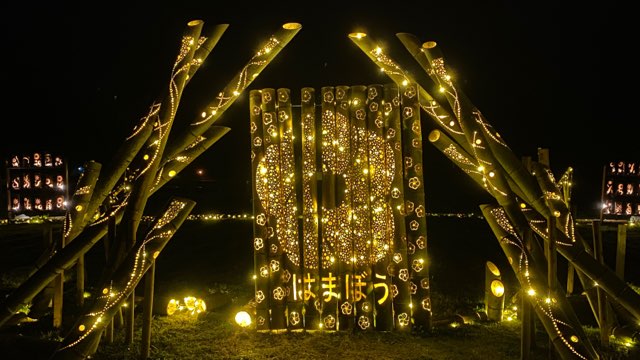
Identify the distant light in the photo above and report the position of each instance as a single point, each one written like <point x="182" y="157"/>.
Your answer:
<point x="172" y="173"/>
<point x="80" y="168"/>
<point x="200" y="172"/>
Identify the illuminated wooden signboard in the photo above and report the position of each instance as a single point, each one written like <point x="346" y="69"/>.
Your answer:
<point x="37" y="185"/>
<point x="621" y="191"/>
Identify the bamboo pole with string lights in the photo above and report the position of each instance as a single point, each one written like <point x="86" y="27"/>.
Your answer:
<point x="476" y="139"/>
<point x="565" y="332"/>
<point x="83" y="338"/>
<point x="576" y="254"/>
<point x="212" y="112"/>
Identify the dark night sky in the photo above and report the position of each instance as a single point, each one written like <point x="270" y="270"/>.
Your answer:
<point x="76" y="80"/>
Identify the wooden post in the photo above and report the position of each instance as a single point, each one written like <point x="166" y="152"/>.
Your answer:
<point x="552" y="269"/>
<point x="80" y="281"/>
<point x="570" y="278"/>
<point x="526" y="328"/>
<point x="621" y="251"/>
<point x="147" y="312"/>
<point x="130" y="318"/>
<point x="58" y="294"/>
<point x="602" y="297"/>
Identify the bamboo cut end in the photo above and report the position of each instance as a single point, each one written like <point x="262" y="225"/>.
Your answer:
<point x="429" y="45"/>
<point x="357" y="35"/>
<point x="292" y="26"/>
<point x="194" y="22"/>
<point x="434" y="135"/>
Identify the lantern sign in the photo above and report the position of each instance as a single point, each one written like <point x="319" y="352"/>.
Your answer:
<point x="37" y="184"/>
<point x="621" y="190"/>
<point x="339" y="231"/>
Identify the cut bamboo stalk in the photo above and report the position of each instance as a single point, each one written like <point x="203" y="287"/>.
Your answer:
<point x="565" y="332"/>
<point x="84" y="336"/>
<point x="400" y="289"/>
<point x="310" y="239"/>
<point x="233" y="89"/>
<point x="392" y="69"/>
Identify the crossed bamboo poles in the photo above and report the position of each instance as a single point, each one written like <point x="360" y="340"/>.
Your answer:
<point x="524" y="203"/>
<point x="146" y="161"/>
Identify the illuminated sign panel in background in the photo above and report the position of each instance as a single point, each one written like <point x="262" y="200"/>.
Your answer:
<point x="621" y="190"/>
<point x="37" y="184"/>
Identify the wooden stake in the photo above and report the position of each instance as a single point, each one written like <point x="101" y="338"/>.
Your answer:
<point x="80" y="281"/>
<point x="621" y="251"/>
<point x="147" y="312"/>
<point x="602" y="296"/>
<point x="58" y="294"/>
<point x="130" y="318"/>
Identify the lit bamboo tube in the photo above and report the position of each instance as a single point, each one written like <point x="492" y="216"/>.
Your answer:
<point x="570" y="243"/>
<point x="260" y="237"/>
<point x="234" y="88"/>
<point x="360" y="190"/>
<point x="399" y="269"/>
<point x="274" y="210"/>
<point x="440" y="115"/>
<point x="381" y="158"/>
<point x="144" y="174"/>
<point x="310" y="240"/>
<point x="81" y="197"/>
<point x="330" y="214"/>
<point x="340" y="142"/>
<point x="142" y="131"/>
<point x="183" y="159"/>
<point x="82" y="340"/>
<point x="62" y="260"/>
<point x="114" y="170"/>
<point x="467" y="114"/>
<point x="564" y="332"/>
<point x="292" y="261"/>
<point x="415" y="207"/>
<point x="205" y="46"/>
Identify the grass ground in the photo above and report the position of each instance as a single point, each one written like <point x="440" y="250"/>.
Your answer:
<point x="214" y="261"/>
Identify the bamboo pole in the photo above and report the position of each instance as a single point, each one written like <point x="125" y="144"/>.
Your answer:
<point x="275" y="211"/>
<point x="84" y="336"/>
<point x="565" y="333"/>
<point x="436" y="112"/>
<point x="339" y="143"/>
<point x="260" y="206"/>
<point x="80" y="200"/>
<point x="466" y="111"/>
<point x="381" y="176"/>
<point x="288" y="219"/>
<point x="415" y="208"/>
<point x="153" y="150"/>
<point x="400" y="290"/>
<point x="310" y="224"/>
<point x="234" y="88"/>
<point x="183" y="159"/>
